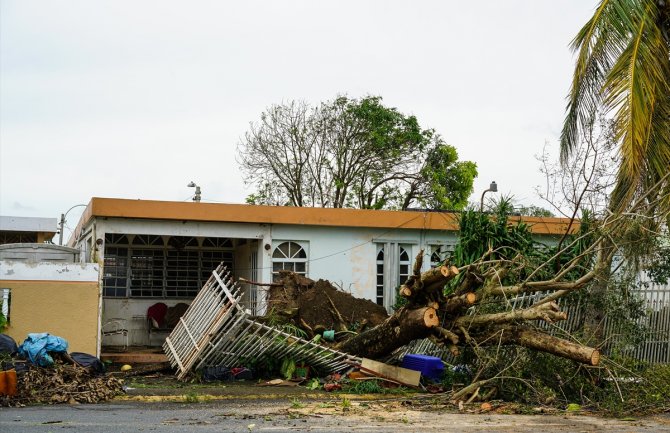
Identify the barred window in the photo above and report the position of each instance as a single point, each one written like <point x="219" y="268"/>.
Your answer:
<point x="151" y="266"/>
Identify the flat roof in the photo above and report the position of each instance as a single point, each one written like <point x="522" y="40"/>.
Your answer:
<point x="245" y="213"/>
<point x="28" y="224"/>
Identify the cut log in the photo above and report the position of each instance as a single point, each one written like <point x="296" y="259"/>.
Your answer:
<point x="548" y="312"/>
<point x="399" y="329"/>
<point x="456" y="303"/>
<point x="431" y="281"/>
<point x="554" y="345"/>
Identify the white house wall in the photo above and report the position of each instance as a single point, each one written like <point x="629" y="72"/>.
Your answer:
<point x="346" y="256"/>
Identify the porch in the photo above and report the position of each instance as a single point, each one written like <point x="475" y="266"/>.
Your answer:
<point x="142" y="271"/>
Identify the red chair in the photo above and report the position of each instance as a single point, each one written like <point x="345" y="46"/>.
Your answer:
<point x="156" y="318"/>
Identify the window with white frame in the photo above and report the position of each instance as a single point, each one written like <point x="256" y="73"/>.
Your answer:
<point x="5" y="300"/>
<point x="289" y="256"/>
<point x="392" y="271"/>
<point x="439" y="254"/>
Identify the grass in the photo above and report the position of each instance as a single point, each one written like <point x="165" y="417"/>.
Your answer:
<point x="296" y="404"/>
<point x="191" y="397"/>
<point x="374" y="386"/>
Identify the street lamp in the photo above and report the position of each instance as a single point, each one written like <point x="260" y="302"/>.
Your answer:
<point x="493" y="188"/>
<point x="196" y="197"/>
<point x="62" y="223"/>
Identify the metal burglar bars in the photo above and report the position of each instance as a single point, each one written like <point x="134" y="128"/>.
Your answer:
<point x="216" y="331"/>
<point x="212" y="307"/>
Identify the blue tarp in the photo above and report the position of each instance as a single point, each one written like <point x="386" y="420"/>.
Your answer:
<point x="37" y="347"/>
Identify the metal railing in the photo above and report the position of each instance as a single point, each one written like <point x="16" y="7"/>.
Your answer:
<point x="217" y="331"/>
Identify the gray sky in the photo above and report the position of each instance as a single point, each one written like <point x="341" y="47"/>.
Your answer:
<point x="134" y="99"/>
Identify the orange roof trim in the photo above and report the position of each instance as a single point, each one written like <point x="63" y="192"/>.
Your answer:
<point x="243" y="213"/>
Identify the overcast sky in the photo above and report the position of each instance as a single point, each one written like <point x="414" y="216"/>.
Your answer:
<point x="134" y="99"/>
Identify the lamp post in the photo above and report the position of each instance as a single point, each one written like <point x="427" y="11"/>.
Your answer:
<point x="196" y="197"/>
<point x="62" y="223"/>
<point x="492" y="188"/>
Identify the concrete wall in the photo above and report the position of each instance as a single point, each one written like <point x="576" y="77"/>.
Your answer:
<point x="38" y="253"/>
<point x="132" y="313"/>
<point x="58" y="298"/>
<point x="347" y="256"/>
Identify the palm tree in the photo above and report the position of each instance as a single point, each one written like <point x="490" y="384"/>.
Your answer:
<point x="623" y="71"/>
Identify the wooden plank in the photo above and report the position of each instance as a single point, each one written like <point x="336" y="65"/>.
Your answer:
<point x="134" y="358"/>
<point x="399" y="374"/>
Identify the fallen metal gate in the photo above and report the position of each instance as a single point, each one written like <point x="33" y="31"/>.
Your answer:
<point x="217" y="331"/>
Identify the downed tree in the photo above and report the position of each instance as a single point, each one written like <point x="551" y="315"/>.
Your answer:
<point x="432" y="312"/>
<point x="505" y="291"/>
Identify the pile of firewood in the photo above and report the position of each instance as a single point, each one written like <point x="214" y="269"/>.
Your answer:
<point x="62" y="383"/>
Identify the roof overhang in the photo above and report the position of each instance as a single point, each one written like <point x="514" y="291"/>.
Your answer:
<point x="244" y="213"/>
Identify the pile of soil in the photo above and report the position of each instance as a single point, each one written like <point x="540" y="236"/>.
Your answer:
<point x="315" y="308"/>
<point x="307" y="304"/>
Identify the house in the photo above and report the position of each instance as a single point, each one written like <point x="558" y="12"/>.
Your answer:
<point x="14" y="230"/>
<point x="162" y="251"/>
<point x="45" y="288"/>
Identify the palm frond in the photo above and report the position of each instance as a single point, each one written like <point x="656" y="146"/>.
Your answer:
<point x="623" y="69"/>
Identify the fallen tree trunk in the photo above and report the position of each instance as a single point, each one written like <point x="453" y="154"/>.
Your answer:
<point x="443" y="318"/>
<point x="557" y="346"/>
<point x="399" y="329"/>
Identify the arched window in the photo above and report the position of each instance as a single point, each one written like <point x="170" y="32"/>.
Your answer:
<point x="380" y="276"/>
<point x="289" y="256"/>
<point x="439" y="253"/>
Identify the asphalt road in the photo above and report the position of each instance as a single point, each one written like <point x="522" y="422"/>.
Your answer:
<point x="292" y="416"/>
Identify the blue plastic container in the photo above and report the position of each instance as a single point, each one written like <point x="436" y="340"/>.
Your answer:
<point x="429" y="366"/>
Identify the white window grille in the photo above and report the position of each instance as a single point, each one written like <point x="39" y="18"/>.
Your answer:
<point x="289" y="256"/>
<point x="150" y="266"/>
<point x="392" y="271"/>
<point x="439" y="254"/>
<point x="5" y="301"/>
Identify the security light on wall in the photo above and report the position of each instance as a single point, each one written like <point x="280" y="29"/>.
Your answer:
<point x="196" y="197"/>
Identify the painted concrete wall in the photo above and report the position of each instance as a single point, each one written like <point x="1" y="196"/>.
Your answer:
<point x="131" y="313"/>
<point x="347" y="256"/>
<point x="61" y="299"/>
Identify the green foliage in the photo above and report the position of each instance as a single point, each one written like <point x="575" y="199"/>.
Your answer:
<point x="351" y="153"/>
<point x="658" y="269"/>
<point x="296" y="404"/>
<point x="534" y="211"/>
<point x="623" y="71"/>
<point x="287" y="368"/>
<point x="313" y="384"/>
<point x="191" y="397"/>
<point x="615" y="389"/>
<point x="479" y="233"/>
<point x="3" y="320"/>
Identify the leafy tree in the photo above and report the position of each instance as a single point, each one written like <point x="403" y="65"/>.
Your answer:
<point x="623" y="70"/>
<point x="351" y="153"/>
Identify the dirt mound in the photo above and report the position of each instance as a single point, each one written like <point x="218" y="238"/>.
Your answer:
<point x="316" y="308"/>
<point x="319" y="305"/>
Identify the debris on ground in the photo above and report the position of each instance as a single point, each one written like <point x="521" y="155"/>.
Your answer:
<point x="41" y="371"/>
<point x="62" y="383"/>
